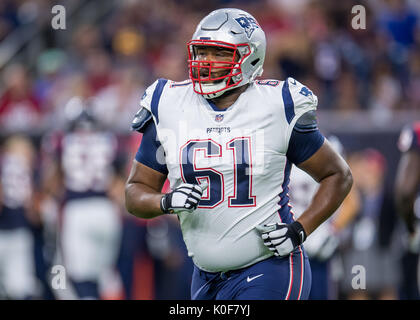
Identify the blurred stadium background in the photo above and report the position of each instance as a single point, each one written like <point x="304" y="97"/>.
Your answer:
<point x="367" y="82"/>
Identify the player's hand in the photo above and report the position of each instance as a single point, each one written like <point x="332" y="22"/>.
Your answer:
<point x="184" y="198"/>
<point x="282" y="238"/>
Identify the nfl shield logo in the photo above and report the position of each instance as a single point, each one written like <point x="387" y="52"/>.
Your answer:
<point x="219" y="118"/>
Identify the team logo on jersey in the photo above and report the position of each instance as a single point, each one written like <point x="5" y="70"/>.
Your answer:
<point x="249" y="24"/>
<point x="219" y="130"/>
<point x="307" y="93"/>
<point x="219" y="117"/>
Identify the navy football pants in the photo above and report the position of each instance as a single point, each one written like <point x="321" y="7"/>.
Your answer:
<point x="320" y="282"/>
<point x="275" y="278"/>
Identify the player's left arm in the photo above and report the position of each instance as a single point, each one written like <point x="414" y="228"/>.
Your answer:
<point x="335" y="180"/>
<point x="311" y="152"/>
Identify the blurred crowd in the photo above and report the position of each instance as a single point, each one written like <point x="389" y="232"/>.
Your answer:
<point x="377" y="68"/>
<point x="111" y="61"/>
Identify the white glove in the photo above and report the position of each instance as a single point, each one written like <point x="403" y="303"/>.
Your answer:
<point x="184" y="198"/>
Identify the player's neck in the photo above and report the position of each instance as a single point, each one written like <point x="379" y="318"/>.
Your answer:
<point x="228" y="98"/>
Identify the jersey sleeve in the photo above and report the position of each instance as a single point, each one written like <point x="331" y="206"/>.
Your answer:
<point x="298" y="98"/>
<point x="144" y="115"/>
<point x="150" y="152"/>
<point x="305" y="137"/>
<point x="146" y="99"/>
<point x="409" y="139"/>
<point x="299" y="102"/>
<point x="149" y="106"/>
<point x="303" y="144"/>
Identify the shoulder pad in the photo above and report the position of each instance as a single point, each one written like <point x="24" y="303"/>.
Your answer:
<point x="302" y="96"/>
<point x="307" y="122"/>
<point x="141" y="119"/>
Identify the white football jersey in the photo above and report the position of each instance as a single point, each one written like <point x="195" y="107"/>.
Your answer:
<point x="15" y="181"/>
<point x="240" y="153"/>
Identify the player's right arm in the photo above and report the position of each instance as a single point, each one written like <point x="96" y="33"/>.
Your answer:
<point x="142" y="191"/>
<point x="143" y="197"/>
<point x="147" y="176"/>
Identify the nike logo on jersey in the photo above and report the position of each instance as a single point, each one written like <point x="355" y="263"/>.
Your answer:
<point x="249" y="279"/>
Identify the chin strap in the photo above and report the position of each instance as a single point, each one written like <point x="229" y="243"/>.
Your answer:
<point x="216" y="87"/>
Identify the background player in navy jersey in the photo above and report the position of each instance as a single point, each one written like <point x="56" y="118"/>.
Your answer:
<point x="82" y="166"/>
<point x="407" y="186"/>
<point x="17" y="268"/>
<point x="226" y="142"/>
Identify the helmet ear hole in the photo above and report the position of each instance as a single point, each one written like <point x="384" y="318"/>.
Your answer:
<point x="253" y="63"/>
<point x="237" y="55"/>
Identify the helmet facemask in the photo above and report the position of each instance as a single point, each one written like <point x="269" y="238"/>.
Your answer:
<point x="207" y="76"/>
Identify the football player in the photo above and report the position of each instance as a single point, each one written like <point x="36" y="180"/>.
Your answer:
<point x="408" y="180"/>
<point x="407" y="186"/>
<point x="83" y="163"/>
<point x="17" y="267"/>
<point x="226" y="142"/>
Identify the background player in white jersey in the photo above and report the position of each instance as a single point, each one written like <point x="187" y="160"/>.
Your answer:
<point x="226" y="142"/>
<point x="84" y="162"/>
<point x="407" y="187"/>
<point x="323" y="242"/>
<point x="408" y="181"/>
<point x="17" y="269"/>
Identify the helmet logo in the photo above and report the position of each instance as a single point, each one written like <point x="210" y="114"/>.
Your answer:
<point x="248" y="24"/>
